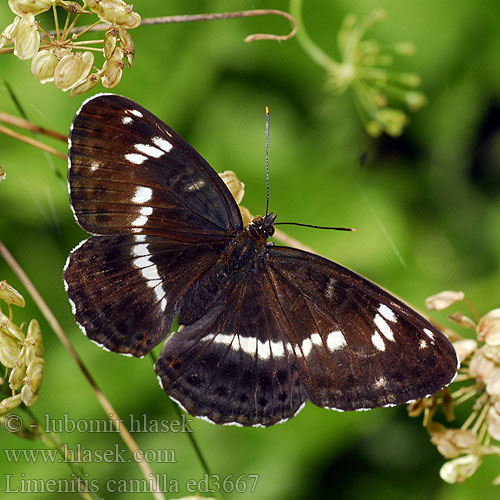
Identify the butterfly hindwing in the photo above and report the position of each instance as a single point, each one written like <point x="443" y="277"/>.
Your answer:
<point x="125" y="289"/>
<point x="235" y="365"/>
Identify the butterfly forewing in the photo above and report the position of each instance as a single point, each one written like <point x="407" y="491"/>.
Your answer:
<point x="132" y="174"/>
<point x="358" y="346"/>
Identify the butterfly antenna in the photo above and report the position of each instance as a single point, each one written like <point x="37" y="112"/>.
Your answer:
<point x="316" y="227"/>
<point x="267" y="158"/>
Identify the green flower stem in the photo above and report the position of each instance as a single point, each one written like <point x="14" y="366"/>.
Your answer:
<point x="316" y="53"/>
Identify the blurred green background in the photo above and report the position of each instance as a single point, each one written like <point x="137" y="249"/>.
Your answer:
<point x="433" y="194"/>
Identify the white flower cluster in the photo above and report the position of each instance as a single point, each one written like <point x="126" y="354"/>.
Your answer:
<point x="479" y="381"/>
<point x="56" y="58"/>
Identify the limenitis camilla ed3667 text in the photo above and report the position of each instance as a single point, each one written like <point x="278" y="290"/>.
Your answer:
<point x="264" y="328"/>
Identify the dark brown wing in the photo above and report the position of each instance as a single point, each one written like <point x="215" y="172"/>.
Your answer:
<point x="156" y="203"/>
<point x="235" y="365"/>
<point x="129" y="173"/>
<point x="300" y="327"/>
<point x="358" y="346"/>
<point x="125" y="290"/>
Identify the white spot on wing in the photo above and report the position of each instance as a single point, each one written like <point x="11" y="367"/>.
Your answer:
<point x="429" y="334"/>
<point x="94" y="165"/>
<point x="73" y="306"/>
<point x="162" y="143"/>
<point x="330" y="288"/>
<point x="387" y="313"/>
<point x="249" y="345"/>
<point x="306" y="347"/>
<point x="140" y="250"/>
<point x="335" y="340"/>
<point x="135" y="112"/>
<point x="195" y="186"/>
<point x="136" y="158"/>
<point x="277" y="349"/>
<point x="143" y="218"/>
<point x="140" y="221"/>
<point x="142" y="194"/>
<point x="378" y="341"/>
<point x="316" y="339"/>
<point x="151" y="273"/>
<point x="142" y="262"/>
<point x="384" y="327"/>
<point x="149" y="150"/>
<point x="127" y="120"/>
<point x="381" y="382"/>
<point x="423" y="344"/>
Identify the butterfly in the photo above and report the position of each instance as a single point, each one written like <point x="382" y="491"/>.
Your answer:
<point x="262" y="328"/>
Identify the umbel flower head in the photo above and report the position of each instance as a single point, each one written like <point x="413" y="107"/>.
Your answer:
<point x="477" y="383"/>
<point x="60" y="56"/>
<point x="20" y="357"/>
<point x="365" y="67"/>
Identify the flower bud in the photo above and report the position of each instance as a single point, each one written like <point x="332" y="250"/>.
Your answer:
<point x="246" y="216"/>
<point x="488" y="330"/>
<point x="235" y="186"/>
<point x="9" y="404"/>
<point x="459" y="469"/>
<point x="115" y="12"/>
<point x="27" y="39"/>
<point x="486" y="371"/>
<point x="112" y="69"/>
<point x="19" y="371"/>
<point x="85" y="85"/>
<point x="9" y="32"/>
<point x="494" y="420"/>
<point x="43" y="66"/>
<point x="23" y="7"/>
<point x="72" y="7"/>
<point x="32" y="381"/>
<point x="73" y="68"/>
<point x="10" y="328"/>
<point x="34" y="341"/>
<point x="443" y="300"/>
<point x="415" y="100"/>
<point x="110" y="41"/>
<point x="10" y="295"/>
<point x="464" y="348"/>
<point x="9" y="350"/>
<point x="393" y="120"/>
<point x="127" y="45"/>
<point x="2" y="174"/>
<point x="462" y="320"/>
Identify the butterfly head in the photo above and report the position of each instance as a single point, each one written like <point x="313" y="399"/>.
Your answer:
<point x="262" y="227"/>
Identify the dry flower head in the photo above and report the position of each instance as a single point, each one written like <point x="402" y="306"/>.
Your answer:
<point x="478" y="383"/>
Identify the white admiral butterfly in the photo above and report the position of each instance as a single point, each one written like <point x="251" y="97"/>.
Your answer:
<point x="264" y="327"/>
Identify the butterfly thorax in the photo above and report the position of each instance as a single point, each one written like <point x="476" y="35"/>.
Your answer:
<point x="245" y="249"/>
